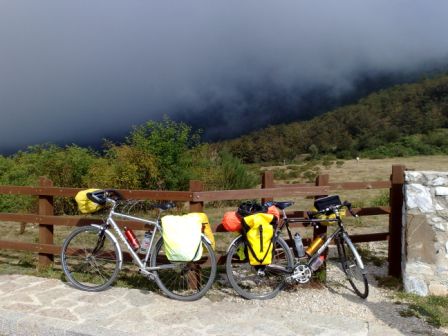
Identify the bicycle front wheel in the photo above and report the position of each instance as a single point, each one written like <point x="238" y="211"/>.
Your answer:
<point x="258" y="282"/>
<point x="352" y="268"/>
<point x="184" y="281"/>
<point x="90" y="259"/>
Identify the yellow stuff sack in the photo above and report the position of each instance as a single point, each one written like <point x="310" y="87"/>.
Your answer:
<point x="84" y="204"/>
<point x="259" y="232"/>
<point x="206" y="228"/>
<point x="325" y="218"/>
<point x="182" y="237"/>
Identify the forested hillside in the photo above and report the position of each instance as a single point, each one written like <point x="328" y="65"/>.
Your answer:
<point x="406" y="119"/>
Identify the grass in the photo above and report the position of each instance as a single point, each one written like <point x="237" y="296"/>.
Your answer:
<point x="389" y="282"/>
<point x="434" y="309"/>
<point x="370" y="257"/>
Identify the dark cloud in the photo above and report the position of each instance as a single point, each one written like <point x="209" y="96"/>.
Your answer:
<point x="78" y="71"/>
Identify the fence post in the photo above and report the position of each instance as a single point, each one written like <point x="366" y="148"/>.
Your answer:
<point x="322" y="180"/>
<point x="45" y="230"/>
<point x="396" y="220"/>
<point x="194" y="274"/>
<point x="196" y="185"/>
<point x="267" y="181"/>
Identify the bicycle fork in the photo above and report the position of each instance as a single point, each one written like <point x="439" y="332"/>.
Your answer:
<point x="352" y="247"/>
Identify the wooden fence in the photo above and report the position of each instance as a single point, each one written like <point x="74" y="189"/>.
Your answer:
<point x="197" y="197"/>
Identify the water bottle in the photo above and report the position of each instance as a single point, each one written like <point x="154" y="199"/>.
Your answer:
<point x="146" y="242"/>
<point x="132" y="239"/>
<point x="299" y="245"/>
<point x="317" y="263"/>
<point x="314" y="246"/>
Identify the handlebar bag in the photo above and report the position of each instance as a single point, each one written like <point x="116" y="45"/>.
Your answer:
<point x="206" y="228"/>
<point x="324" y="218"/>
<point x="182" y="237"/>
<point x="250" y="208"/>
<point x="85" y="205"/>
<point x="326" y="202"/>
<point x="259" y="232"/>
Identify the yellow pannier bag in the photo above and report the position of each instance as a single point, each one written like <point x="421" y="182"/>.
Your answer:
<point x="259" y="232"/>
<point x="206" y="228"/>
<point x="84" y="204"/>
<point x="182" y="237"/>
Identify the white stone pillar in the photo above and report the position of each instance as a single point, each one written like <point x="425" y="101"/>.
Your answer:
<point x="425" y="259"/>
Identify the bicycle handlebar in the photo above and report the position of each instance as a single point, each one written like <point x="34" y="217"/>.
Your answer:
<point x="332" y="209"/>
<point x="102" y="196"/>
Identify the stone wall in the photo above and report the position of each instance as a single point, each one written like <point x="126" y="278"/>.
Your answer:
<point x="425" y="233"/>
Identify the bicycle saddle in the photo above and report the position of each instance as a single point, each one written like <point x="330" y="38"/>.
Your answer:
<point x="283" y="205"/>
<point x="165" y="206"/>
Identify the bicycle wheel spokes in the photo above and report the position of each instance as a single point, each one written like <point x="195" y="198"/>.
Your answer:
<point x="184" y="281"/>
<point x="257" y="282"/>
<point x="353" y="271"/>
<point x="85" y="267"/>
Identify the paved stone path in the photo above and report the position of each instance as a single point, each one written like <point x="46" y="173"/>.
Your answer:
<point x="39" y="306"/>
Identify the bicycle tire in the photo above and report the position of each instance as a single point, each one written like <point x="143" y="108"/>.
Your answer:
<point x="85" y="270"/>
<point x="177" y="283"/>
<point x="245" y="279"/>
<point x="354" y="272"/>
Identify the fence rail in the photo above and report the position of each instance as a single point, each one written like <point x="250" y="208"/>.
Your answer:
<point x="197" y="197"/>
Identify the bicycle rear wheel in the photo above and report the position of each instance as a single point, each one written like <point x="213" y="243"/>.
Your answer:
<point x="354" y="271"/>
<point x="258" y="282"/>
<point x="90" y="260"/>
<point x="184" y="281"/>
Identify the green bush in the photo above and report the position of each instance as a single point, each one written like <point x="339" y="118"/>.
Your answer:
<point x="339" y="163"/>
<point x="156" y="155"/>
<point x="233" y="174"/>
<point x="280" y="174"/>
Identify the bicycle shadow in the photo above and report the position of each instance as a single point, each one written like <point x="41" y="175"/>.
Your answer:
<point x="385" y="308"/>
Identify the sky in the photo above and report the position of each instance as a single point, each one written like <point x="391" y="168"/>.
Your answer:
<point x="81" y="71"/>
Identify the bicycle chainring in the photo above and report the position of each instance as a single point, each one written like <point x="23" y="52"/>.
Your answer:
<point x="302" y="274"/>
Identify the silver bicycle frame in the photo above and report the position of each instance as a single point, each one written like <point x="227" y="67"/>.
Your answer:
<point x="347" y="239"/>
<point x="110" y="221"/>
<point x="142" y="265"/>
<point x="120" y="234"/>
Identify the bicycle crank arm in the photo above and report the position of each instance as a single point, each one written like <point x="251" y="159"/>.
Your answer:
<point x="163" y="267"/>
<point x="277" y="269"/>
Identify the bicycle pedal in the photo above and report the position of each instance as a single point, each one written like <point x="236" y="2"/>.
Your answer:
<point x="146" y="273"/>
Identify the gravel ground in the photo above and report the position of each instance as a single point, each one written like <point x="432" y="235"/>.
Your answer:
<point x="336" y="298"/>
<point x="316" y="307"/>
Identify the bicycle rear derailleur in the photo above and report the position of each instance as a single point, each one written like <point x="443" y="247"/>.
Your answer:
<point x="301" y="274"/>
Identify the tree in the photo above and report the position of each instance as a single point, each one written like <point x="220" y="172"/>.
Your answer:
<point x="168" y="142"/>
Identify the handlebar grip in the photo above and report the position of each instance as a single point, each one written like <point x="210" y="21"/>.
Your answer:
<point x="114" y="194"/>
<point x="349" y="207"/>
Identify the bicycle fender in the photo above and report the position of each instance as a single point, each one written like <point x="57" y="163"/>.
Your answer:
<point x="233" y="243"/>
<point x="355" y="252"/>
<point x="206" y="239"/>
<point x="115" y="241"/>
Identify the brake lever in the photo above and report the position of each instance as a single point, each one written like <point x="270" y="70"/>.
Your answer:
<point x="349" y="207"/>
